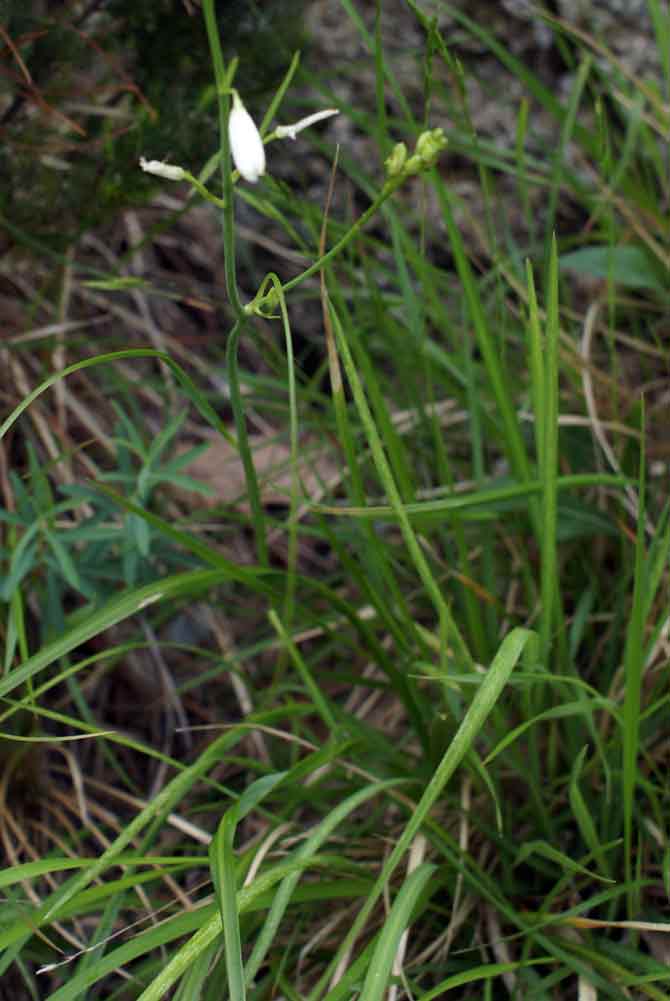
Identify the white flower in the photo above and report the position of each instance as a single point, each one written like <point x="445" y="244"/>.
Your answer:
<point x="291" y="131"/>
<point x="160" y="169"/>
<point x="246" y="144"/>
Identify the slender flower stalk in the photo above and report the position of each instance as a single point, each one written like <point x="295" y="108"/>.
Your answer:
<point x="172" y="172"/>
<point x="399" y="166"/>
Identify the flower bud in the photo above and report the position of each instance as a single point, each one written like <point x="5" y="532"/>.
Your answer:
<point x="168" y="170"/>
<point x="430" y="144"/>
<point x="396" y="161"/>
<point x="246" y="145"/>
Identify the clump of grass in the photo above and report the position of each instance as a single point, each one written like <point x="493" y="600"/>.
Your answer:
<point x="403" y="699"/>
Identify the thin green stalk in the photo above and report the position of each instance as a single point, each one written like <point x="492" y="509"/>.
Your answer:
<point x="380" y="96"/>
<point x="269" y="298"/>
<point x="279" y="94"/>
<point x="477" y="438"/>
<point x="388" y="481"/>
<point x="522" y="178"/>
<point x="567" y="130"/>
<point x="393" y="441"/>
<point x="257" y="512"/>
<point x="513" y="439"/>
<point x="379" y="578"/>
<point x="660" y="19"/>
<point x="633" y="672"/>
<point x="223" y="80"/>
<point x="292" y="554"/>
<point x="538" y="388"/>
<point x="204" y="191"/>
<point x="224" y="877"/>
<point x="319" y="700"/>
<point x="536" y="366"/>
<point x="549" y="463"/>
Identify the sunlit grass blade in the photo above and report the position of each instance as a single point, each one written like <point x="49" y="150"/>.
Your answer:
<point x="550" y="596"/>
<point x="223" y="868"/>
<point x="388" y="481"/>
<point x="483" y="973"/>
<point x="511" y="438"/>
<point x="111" y="614"/>
<point x="381" y="962"/>
<point x="634" y="672"/>
<point x="485" y="698"/>
<point x="583" y="815"/>
<point x="163" y="803"/>
<point x="287" y="888"/>
<point x="303" y="670"/>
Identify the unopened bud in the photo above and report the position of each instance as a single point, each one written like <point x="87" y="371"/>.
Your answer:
<point x="246" y="144"/>
<point x="396" y="161"/>
<point x="167" y="170"/>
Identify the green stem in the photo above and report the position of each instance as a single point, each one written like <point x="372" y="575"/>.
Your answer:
<point x="270" y="298"/>
<point x="386" y="476"/>
<point x="257" y="513"/>
<point x="205" y="192"/>
<point x="223" y="81"/>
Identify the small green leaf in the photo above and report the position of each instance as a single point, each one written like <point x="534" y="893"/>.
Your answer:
<point x="543" y="848"/>
<point x="628" y="266"/>
<point x="119" y="284"/>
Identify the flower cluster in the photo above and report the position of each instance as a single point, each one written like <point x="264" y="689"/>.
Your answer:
<point x="246" y="144"/>
<point x="428" y="147"/>
<point x="248" y="150"/>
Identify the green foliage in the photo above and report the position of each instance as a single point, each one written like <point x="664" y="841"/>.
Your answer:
<point x="78" y="542"/>
<point x="628" y="266"/>
<point x="436" y="640"/>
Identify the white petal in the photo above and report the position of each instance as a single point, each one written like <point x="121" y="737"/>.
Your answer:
<point x="291" y="131"/>
<point x="160" y="169"/>
<point x="246" y="144"/>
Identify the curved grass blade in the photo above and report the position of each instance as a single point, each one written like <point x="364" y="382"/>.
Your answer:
<point x="109" y="615"/>
<point x="395" y="924"/>
<point x="463" y="741"/>
<point x="222" y="865"/>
